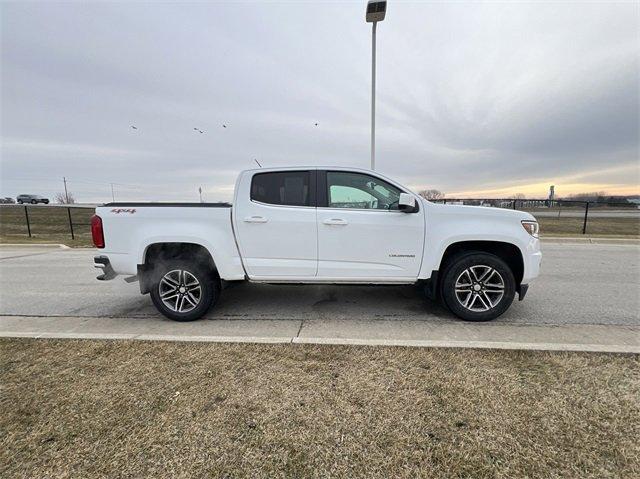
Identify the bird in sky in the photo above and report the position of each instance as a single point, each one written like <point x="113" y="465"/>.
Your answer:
<point x="316" y="124"/>
<point x="134" y="127"/>
<point x="198" y="129"/>
<point x="224" y="126"/>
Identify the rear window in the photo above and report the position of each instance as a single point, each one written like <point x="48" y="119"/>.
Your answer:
<point x="289" y="188"/>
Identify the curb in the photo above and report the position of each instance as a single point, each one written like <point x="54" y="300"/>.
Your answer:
<point x="570" y="347"/>
<point x="575" y="240"/>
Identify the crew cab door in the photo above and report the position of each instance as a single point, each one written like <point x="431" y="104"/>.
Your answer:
<point x="275" y="224"/>
<point x="361" y="232"/>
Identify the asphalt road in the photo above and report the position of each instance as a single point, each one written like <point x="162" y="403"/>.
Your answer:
<point x="579" y="284"/>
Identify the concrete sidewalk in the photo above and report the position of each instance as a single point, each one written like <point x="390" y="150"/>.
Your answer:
<point x="570" y="337"/>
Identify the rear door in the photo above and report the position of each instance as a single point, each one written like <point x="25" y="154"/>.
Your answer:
<point x="361" y="233"/>
<point x="276" y="225"/>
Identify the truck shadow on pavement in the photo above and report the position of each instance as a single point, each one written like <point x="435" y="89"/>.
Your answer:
<point x="267" y="301"/>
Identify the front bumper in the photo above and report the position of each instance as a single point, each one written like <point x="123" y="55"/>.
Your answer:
<point x="103" y="263"/>
<point x="532" y="257"/>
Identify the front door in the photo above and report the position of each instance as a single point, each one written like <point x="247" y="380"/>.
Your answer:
<point x="361" y="232"/>
<point x="276" y="228"/>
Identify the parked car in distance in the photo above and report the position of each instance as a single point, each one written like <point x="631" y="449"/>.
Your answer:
<point x="316" y="225"/>
<point x="33" y="199"/>
<point x="7" y="200"/>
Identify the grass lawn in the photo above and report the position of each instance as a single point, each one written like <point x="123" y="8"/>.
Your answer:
<point x="49" y="224"/>
<point x="564" y="226"/>
<point x="73" y="408"/>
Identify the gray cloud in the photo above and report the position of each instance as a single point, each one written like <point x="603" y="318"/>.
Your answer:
<point x="470" y="96"/>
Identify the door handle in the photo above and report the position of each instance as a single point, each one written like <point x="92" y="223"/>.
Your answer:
<point x="255" y="219"/>
<point x="335" y="221"/>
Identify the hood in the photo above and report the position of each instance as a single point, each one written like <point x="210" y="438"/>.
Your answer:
<point x="483" y="211"/>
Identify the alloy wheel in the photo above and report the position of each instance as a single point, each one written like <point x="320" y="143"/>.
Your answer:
<point x="180" y="291"/>
<point x="479" y="288"/>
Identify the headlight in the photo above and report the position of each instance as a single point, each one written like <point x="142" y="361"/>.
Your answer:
<point x="532" y="227"/>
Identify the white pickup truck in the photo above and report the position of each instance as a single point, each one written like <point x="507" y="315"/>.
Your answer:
<point x="319" y="225"/>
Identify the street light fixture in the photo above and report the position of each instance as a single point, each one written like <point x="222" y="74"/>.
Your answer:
<point x="376" y="11"/>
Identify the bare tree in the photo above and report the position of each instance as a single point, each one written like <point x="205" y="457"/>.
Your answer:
<point x="589" y="196"/>
<point x="520" y="196"/>
<point x="431" y="194"/>
<point x="63" y="199"/>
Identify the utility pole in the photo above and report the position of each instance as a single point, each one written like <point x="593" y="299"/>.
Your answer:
<point x="376" y="11"/>
<point x="113" y="195"/>
<point x="200" y="191"/>
<point x="66" y="194"/>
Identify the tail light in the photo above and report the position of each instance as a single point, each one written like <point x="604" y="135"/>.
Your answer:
<point x="96" y="231"/>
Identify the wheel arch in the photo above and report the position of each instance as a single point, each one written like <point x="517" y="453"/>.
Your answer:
<point x="508" y="252"/>
<point x="156" y="253"/>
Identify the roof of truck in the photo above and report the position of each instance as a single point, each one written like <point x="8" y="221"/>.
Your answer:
<point x="308" y="167"/>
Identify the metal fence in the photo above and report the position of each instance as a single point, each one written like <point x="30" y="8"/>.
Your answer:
<point x="45" y="221"/>
<point x="557" y="217"/>
<point x="613" y="218"/>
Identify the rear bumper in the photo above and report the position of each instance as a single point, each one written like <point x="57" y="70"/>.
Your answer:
<point x="103" y="263"/>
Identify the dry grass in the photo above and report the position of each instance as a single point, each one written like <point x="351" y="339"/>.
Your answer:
<point x="564" y="226"/>
<point x="49" y="224"/>
<point x="138" y="409"/>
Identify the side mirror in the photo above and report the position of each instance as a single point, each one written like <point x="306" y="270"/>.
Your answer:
<point x="407" y="203"/>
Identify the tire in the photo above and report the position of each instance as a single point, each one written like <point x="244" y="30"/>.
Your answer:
<point x="485" y="286"/>
<point x="34" y="202"/>
<point x="177" y="276"/>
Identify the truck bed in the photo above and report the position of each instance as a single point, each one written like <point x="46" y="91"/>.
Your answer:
<point x="131" y="227"/>
<point x="145" y="204"/>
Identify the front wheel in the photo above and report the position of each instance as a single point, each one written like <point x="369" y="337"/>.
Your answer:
<point x="478" y="287"/>
<point x="183" y="291"/>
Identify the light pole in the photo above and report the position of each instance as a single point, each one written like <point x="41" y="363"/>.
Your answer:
<point x="376" y="11"/>
<point x="66" y="195"/>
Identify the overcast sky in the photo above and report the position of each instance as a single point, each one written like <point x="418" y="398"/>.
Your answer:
<point x="473" y="98"/>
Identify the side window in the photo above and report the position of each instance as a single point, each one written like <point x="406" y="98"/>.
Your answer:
<point x="360" y="191"/>
<point x="290" y="188"/>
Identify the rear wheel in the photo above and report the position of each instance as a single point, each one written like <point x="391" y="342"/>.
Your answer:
<point x="183" y="291"/>
<point x="34" y="202"/>
<point x="478" y="287"/>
